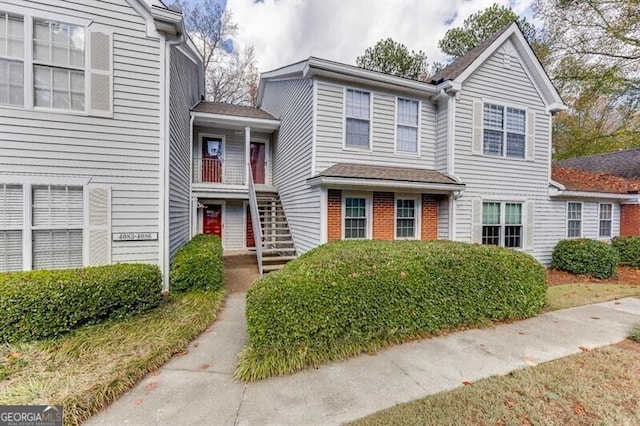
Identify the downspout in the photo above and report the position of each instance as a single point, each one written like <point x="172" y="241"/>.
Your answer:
<point x="165" y="93"/>
<point x="451" y="140"/>
<point x="191" y="201"/>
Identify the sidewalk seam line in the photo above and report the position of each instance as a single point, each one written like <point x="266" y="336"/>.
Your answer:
<point x="244" y="391"/>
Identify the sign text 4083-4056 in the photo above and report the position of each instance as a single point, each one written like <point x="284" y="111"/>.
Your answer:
<point x="135" y="236"/>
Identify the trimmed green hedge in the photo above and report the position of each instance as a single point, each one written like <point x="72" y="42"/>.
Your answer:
<point x="41" y="304"/>
<point x="198" y="265"/>
<point x="349" y="297"/>
<point x="586" y="257"/>
<point x="628" y="249"/>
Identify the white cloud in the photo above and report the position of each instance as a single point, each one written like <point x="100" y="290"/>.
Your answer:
<point x="285" y="31"/>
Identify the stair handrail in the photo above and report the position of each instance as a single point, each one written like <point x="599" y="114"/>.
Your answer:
<point x="255" y="218"/>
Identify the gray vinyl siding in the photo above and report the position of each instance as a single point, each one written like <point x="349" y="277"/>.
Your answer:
<point x="330" y="131"/>
<point x="497" y="178"/>
<point x="184" y="93"/>
<point x="292" y="102"/>
<point x="441" y="147"/>
<point x="234" y="222"/>
<point x="122" y="151"/>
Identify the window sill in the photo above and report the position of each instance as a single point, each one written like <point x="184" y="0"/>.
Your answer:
<point x="356" y="149"/>
<point x="46" y="110"/>
<point x="502" y="157"/>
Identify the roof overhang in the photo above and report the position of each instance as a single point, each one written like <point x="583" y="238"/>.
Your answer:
<point x="234" y="122"/>
<point x="558" y="193"/>
<point x="369" y="184"/>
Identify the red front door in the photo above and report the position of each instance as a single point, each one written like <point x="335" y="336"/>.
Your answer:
<point x="211" y="159"/>
<point x="257" y="153"/>
<point x="212" y="220"/>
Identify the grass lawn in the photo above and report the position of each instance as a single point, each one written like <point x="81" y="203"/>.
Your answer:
<point x="570" y="295"/>
<point x="90" y="367"/>
<point x="606" y="392"/>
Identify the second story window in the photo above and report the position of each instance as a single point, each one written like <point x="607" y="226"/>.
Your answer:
<point x="58" y="65"/>
<point x="504" y="131"/>
<point x="11" y="60"/>
<point x="357" y="119"/>
<point x="407" y="126"/>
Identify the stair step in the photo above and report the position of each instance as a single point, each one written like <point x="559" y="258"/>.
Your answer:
<point x="272" y="268"/>
<point x="276" y="250"/>
<point x="277" y="259"/>
<point x="277" y="243"/>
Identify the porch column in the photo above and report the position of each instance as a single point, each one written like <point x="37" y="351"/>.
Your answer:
<point x="247" y="143"/>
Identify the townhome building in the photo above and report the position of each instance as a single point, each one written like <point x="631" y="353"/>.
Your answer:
<point x="108" y="152"/>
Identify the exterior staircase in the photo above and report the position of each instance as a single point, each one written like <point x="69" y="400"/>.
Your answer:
<point x="277" y="243"/>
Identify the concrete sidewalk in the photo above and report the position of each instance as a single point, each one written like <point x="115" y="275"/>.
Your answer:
<point x="198" y="388"/>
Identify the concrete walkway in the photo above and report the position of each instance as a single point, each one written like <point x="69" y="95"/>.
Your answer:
<point x="198" y="388"/>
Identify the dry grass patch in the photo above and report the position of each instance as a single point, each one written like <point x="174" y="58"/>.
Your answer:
<point x="596" y="387"/>
<point x="570" y="295"/>
<point x="89" y="368"/>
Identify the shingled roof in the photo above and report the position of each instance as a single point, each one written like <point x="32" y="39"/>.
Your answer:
<point x="588" y="181"/>
<point x="402" y="174"/>
<point x="223" y="108"/>
<point x="625" y="164"/>
<point x="457" y="67"/>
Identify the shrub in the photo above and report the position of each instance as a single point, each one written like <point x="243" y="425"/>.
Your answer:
<point x="348" y="297"/>
<point x="42" y="304"/>
<point x="198" y="265"/>
<point x="585" y="256"/>
<point x="628" y="249"/>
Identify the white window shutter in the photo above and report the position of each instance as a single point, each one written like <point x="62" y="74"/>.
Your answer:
<point x="531" y="135"/>
<point x="477" y="127"/>
<point x="529" y="211"/>
<point x="476" y="221"/>
<point x="98" y="241"/>
<point x="100" y="96"/>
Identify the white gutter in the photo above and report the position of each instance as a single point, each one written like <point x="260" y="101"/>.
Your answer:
<point x="262" y="123"/>
<point x="374" y="183"/>
<point x="590" y="194"/>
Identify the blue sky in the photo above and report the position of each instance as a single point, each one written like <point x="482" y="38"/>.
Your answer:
<point x="285" y="31"/>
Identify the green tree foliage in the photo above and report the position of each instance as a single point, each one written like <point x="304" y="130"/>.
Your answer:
<point x="594" y="61"/>
<point x="480" y="26"/>
<point x="390" y="57"/>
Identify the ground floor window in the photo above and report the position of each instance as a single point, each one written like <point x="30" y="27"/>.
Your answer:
<point x="57" y="227"/>
<point x="502" y="224"/>
<point x="355" y="218"/>
<point x="606" y="212"/>
<point x="55" y="223"/>
<point x="405" y="218"/>
<point x="574" y="220"/>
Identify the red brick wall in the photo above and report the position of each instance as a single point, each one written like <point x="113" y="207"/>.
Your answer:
<point x="334" y="211"/>
<point x="383" y="214"/>
<point x="629" y="219"/>
<point x="429" y="224"/>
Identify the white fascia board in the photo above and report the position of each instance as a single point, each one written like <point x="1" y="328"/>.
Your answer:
<point x="387" y="184"/>
<point x="322" y="67"/>
<point x="586" y="194"/>
<point x="144" y="10"/>
<point x="221" y="120"/>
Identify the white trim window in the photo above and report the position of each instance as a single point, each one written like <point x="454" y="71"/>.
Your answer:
<point x="355" y="218"/>
<point x="407" y="215"/>
<point x="502" y="224"/>
<point x="407" y="125"/>
<point x="57" y="226"/>
<point x="11" y="59"/>
<point x="11" y="222"/>
<point x="606" y="218"/>
<point x="504" y="131"/>
<point x="574" y="220"/>
<point x="357" y="119"/>
<point x="58" y="65"/>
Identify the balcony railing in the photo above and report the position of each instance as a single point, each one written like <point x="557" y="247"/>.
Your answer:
<point x="211" y="170"/>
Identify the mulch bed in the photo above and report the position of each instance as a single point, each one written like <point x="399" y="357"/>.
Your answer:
<point x="626" y="275"/>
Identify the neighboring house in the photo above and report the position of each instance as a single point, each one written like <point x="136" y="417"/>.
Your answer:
<point x="615" y="173"/>
<point x="95" y="132"/>
<point x="107" y="154"/>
